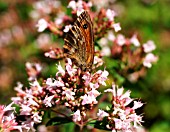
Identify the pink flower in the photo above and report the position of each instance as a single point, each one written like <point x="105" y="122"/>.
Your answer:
<point x="42" y="6"/>
<point x="149" y="59"/>
<point x="54" y="83"/>
<point x="118" y="123"/>
<point x="32" y="102"/>
<point x="103" y="42"/>
<point x="94" y="86"/>
<point x="7" y="119"/>
<point x="76" y="6"/>
<point x="103" y="76"/>
<point x="86" y="99"/>
<point x="120" y="40"/>
<point x="48" y="101"/>
<point x="110" y="14"/>
<point x="67" y="28"/>
<point x="59" y="83"/>
<point x="69" y="94"/>
<point x="77" y="116"/>
<point x="116" y="26"/>
<point x="71" y="71"/>
<point x="98" y="61"/>
<point x="42" y="128"/>
<point x="42" y="25"/>
<point x="50" y="54"/>
<point x="60" y="70"/>
<point x="136" y="119"/>
<point x="137" y="104"/>
<point x="87" y="78"/>
<point x="111" y="36"/>
<point x="134" y="40"/>
<point x="25" y="109"/>
<point x="106" y="51"/>
<point x="36" y="117"/>
<point x="43" y="40"/>
<point x="89" y="99"/>
<point x="37" y="85"/>
<point x="18" y="88"/>
<point x="59" y="18"/>
<point x="72" y="4"/>
<point x="101" y="114"/>
<point x="94" y="92"/>
<point x="123" y="115"/>
<point x="149" y="46"/>
<point x="49" y="82"/>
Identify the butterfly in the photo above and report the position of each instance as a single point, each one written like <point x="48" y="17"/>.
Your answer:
<point x="79" y="42"/>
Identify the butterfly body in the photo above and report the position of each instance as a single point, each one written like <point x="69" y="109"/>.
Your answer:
<point x="79" y="44"/>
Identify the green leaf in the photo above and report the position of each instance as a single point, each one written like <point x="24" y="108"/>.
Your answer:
<point x="58" y="121"/>
<point x="111" y="63"/>
<point x="98" y="124"/>
<point x="3" y="6"/>
<point x="68" y="127"/>
<point x="17" y="108"/>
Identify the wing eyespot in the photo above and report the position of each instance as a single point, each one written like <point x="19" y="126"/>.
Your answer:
<point x="85" y="26"/>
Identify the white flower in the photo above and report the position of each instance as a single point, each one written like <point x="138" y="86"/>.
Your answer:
<point x="60" y="70"/>
<point x="137" y="104"/>
<point x="77" y="116"/>
<point x="42" y="25"/>
<point x="42" y="128"/>
<point x="59" y="18"/>
<point x="149" y="46"/>
<point x="86" y="99"/>
<point x="135" y="41"/>
<point x="72" y="4"/>
<point x="149" y="59"/>
<point x="102" y="77"/>
<point x="43" y="40"/>
<point x="102" y="114"/>
<point x="50" y="54"/>
<point x="36" y="84"/>
<point x="67" y="28"/>
<point x="103" y="41"/>
<point x="106" y="51"/>
<point x="42" y="6"/>
<point x="111" y="36"/>
<point x="69" y="94"/>
<point x="120" y="40"/>
<point x="36" y="117"/>
<point x="77" y="6"/>
<point x="116" y="26"/>
<point x="97" y="60"/>
<point x="48" y="101"/>
<point x="110" y="14"/>
<point x="79" y="12"/>
<point x="56" y="83"/>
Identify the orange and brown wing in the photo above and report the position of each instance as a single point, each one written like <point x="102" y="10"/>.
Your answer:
<point x="79" y="44"/>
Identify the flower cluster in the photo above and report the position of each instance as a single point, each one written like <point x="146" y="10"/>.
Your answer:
<point x="33" y="70"/>
<point x="75" y="89"/>
<point x="61" y="25"/>
<point x="7" y="119"/>
<point x="30" y="104"/>
<point x="137" y="52"/>
<point x="121" y="116"/>
<point x="133" y="58"/>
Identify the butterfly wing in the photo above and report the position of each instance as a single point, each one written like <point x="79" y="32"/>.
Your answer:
<point x="79" y="44"/>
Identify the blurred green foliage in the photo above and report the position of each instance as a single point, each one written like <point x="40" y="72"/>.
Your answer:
<point x="151" y="20"/>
